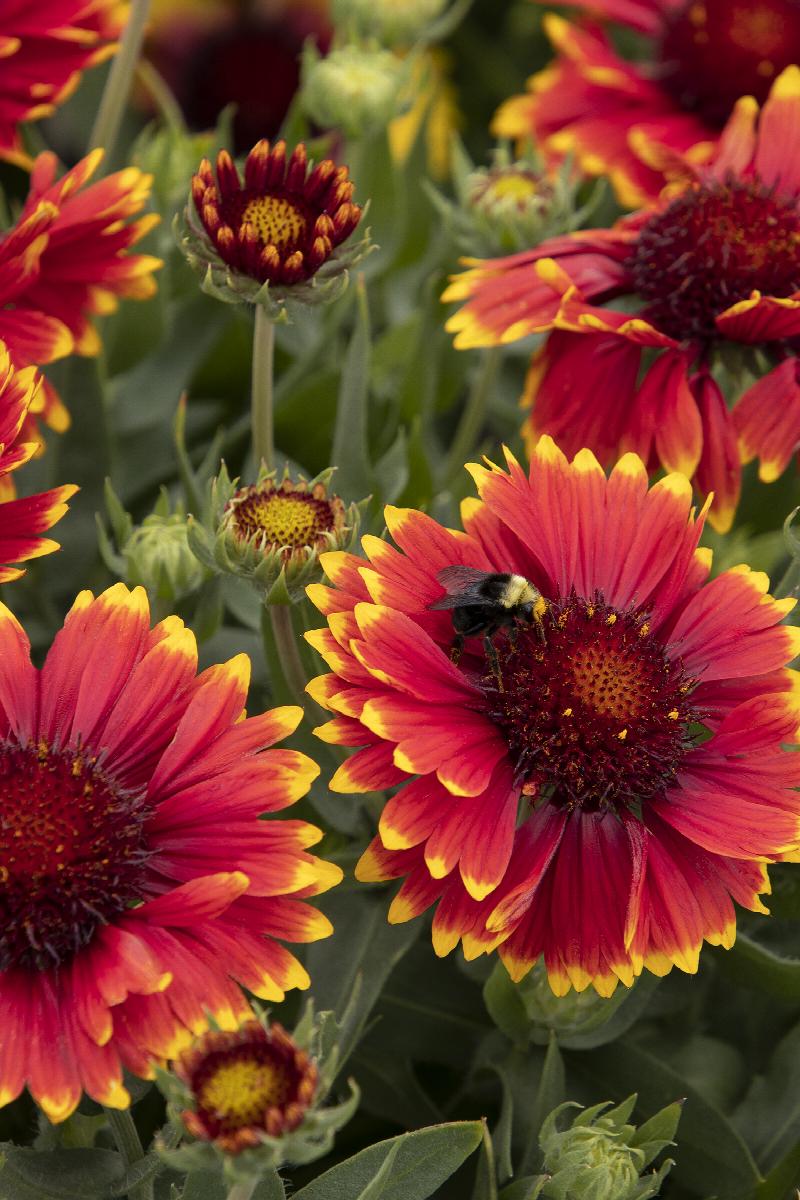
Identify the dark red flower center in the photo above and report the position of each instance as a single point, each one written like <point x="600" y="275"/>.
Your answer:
<point x="595" y="712"/>
<point x="285" y="516"/>
<point x="714" y="51"/>
<point x="711" y="247"/>
<point x="246" y="1082"/>
<point x="71" y="853"/>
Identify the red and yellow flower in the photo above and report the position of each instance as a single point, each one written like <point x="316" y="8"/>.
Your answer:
<point x="716" y="261"/>
<point x="67" y="260"/>
<point x="141" y="886"/>
<point x="22" y="521"/>
<point x="618" y="118"/>
<point x="44" y="45"/>
<point x="601" y="785"/>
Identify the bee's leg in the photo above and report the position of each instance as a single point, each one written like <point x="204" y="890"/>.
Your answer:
<point x="456" y="648"/>
<point x="491" y="655"/>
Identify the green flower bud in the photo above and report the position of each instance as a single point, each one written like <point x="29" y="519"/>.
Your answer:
<point x="155" y="553"/>
<point x="272" y="533"/>
<point x="510" y="205"/>
<point x="251" y="1098"/>
<point x="601" y="1157"/>
<point x="354" y="89"/>
<point x="391" y="22"/>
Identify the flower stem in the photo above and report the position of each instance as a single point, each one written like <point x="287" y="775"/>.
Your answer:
<point x="243" y="1190"/>
<point x="118" y="85"/>
<point x="280" y="616"/>
<point x="130" y="1147"/>
<point x="472" y="417"/>
<point x="261" y="411"/>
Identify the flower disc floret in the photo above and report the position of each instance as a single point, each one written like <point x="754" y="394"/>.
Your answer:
<point x="72" y="853"/>
<point x="595" y="712"/>
<point x="288" y="517"/>
<point x="246" y="1083"/>
<point x="712" y="246"/>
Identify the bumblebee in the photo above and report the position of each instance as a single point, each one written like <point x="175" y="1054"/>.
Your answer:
<point x="483" y="602"/>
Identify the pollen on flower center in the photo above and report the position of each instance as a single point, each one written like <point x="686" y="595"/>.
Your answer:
<point x="239" y="1090"/>
<point x="714" y="51"/>
<point x="246" y="1083"/>
<point x="71" y="853"/>
<point x="711" y="247"/>
<point x="278" y="221"/>
<point x="285" y="516"/>
<point x="595" y="712"/>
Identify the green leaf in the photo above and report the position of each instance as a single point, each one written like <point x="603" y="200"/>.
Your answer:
<point x="712" y="1157"/>
<point x="769" y="1114"/>
<point x="782" y="1178"/>
<point x="525" y="1189"/>
<point x="373" y="949"/>
<point x="350" y="444"/>
<point x="505" y="1005"/>
<point x="423" y="1160"/>
<point x="204" y="1185"/>
<point x="59" y="1174"/>
<point x="551" y="1092"/>
<point x="754" y="966"/>
<point x="486" y="1178"/>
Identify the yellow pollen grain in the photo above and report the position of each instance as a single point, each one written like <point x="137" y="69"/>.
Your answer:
<point x="623" y="733"/>
<point x="242" y="1091"/>
<point x="611" y="619"/>
<point x="281" y="520"/>
<point x="644" y="629"/>
<point x="277" y="221"/>
<point x="567" y="712"/>
<point x="673" y="714"/>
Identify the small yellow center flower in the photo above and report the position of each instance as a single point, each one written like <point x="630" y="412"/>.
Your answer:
<point x="246" y="1085"/>
<point x="287" y="517"/>
<point x="515" y="187"/>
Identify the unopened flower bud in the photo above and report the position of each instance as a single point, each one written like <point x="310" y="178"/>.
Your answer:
<point x="251" y="1098"/>
<point x="273" y="233"/>
<point x="272" y="532"/>
<point x="354" y="89"/>
<point x="602" y="1157"/>
<point x="510" y="205"/>
<point x="155" y="553"/>
<point x="391" y="22"/>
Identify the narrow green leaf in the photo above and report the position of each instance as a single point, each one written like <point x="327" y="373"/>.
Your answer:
<point x="377" y="1185"/>
<point x="424" y="1159"/>
<point x="551" y="1092"/>
<point x="525" y="1189"/>
<point x="486" y="1178"/>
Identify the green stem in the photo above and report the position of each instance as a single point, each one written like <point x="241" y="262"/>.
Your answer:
<point x="789" y="585"/>
<point x="242" y="1191"/>
<point x="473" y="415"/>
<point x="118" y="85"/>
<point x="280" y="616"/>
<point x="261" y="411"/>
<point x="130" y="1147"/>
<point x="161" y="95"/>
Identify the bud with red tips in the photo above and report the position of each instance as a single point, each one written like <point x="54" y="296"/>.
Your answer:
<point x="275" y="235"/>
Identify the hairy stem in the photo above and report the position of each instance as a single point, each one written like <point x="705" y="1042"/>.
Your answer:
<point x="261" y="411"/>
<point x="130" y="1147"/>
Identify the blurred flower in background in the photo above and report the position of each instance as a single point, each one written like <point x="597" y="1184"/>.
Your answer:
<point x="44" y="47"/>
<point x="22" y="521"/>
<point x="66" y="261"/>
<point x="619" y="117"/>
<point x="715" y="262"/>
<point x="213" y="53"/>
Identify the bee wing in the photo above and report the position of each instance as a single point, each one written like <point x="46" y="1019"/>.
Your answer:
<point x="457" y="581"/>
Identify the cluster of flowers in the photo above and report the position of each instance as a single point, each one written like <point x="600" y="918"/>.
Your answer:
<point x="594" y="786"/>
